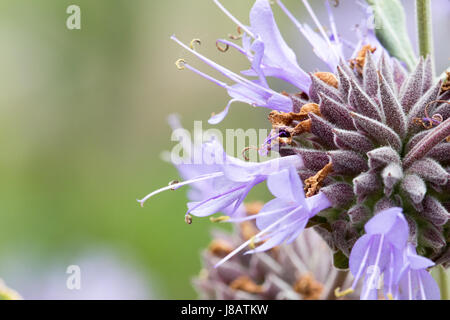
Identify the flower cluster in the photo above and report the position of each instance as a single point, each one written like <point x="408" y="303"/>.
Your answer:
<point x="384" y="250"/>
<point x="364" y="155"/>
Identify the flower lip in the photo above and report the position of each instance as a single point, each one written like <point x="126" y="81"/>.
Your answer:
<point x="384" y="221"/>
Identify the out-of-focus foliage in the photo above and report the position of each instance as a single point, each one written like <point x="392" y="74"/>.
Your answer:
<point x="391" y="29"/>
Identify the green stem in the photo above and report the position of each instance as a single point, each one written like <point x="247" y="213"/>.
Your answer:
<point x="443" y="283"/>
<point x="425" y="29"/>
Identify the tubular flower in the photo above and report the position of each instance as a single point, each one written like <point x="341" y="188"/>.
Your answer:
<point x="285" y="217"/>
<point x="415" y="282"/>
<point x="202" y="159"/>
<point x="384" y="250"/>
<point x="220" y="182"/>
<point x="270" y="56"/>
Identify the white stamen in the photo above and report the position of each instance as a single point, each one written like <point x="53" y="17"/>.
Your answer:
<point x="410" y="296"/>
<point x="207" y="77"/>
<point x="422" y="290"/>
<point x="226" y="72"/>
<point x="320" y="27"/>
<point x="255" y="216"/>
<point x="332" y="22"/>
<point x="377" y="261"/>
<point x="391" y="272"/>
<point x="362" y="265"/>
<point x="236" y="21"/>
<point x="290" y="15"/>
<point x="254" y="87"/>
<point x="180" y="184"/>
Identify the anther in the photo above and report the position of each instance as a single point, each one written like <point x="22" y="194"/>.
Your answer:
<point x="245" y="150"/>
<point x="173" y="183"/>
<point x="390" y="296"/>
<point x="188" y="219"/>
<point x="252" y="244"/>
<point x="193" y="42"/>
<point x="238" y="37"/>
<point x="339" y="294"/>
<point x="225" y="49"/>
<point x="180" y="64"/>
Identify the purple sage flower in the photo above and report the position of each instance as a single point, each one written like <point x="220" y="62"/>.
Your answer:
<point x="378" y="250"/>
<point x="415" y="282"/>
<point x="384" y="249"/>
<point x="223" y="181"/>
<point x="284" y="218"/>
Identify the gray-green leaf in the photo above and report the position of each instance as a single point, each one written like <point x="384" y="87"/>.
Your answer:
<point x="391" y="30"/>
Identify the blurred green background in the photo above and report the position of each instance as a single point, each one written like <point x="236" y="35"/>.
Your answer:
<point x="82" y="127"/>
